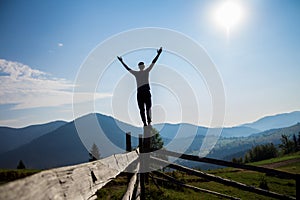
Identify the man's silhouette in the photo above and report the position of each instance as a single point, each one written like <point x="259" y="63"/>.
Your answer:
<point x="143" y="87"/>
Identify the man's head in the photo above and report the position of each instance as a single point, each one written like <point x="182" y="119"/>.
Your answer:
<point x="141" y="66"/>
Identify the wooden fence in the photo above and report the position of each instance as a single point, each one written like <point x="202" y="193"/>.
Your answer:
<point x="145" y="147"/>
<point x="71" y="182"/>
<point x="224" y="181"/>
<point x="83" y="180"/>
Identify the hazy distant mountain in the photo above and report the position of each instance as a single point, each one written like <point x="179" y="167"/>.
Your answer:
<point x="276" y="121"/>
<point x="180" y="131"/>
<point x="188" y="130"/>
<point x="63" y="146"/>
<point x="58" y="148"/>
<point x="227" y="148"/>
<point x="58" y="143"/>
<point x="12" y="138"/>
<point x="239" y="131"/>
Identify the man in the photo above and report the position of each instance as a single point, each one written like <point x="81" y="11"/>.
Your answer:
<point x="143" y="87"/>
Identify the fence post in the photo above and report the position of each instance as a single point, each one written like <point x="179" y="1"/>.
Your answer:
<point x="297" y="186"/>
<point x="147" y="150"/>
<point x="128" y="149"/>
<point x="142" y="174"/>
<point x="128" y="142"/>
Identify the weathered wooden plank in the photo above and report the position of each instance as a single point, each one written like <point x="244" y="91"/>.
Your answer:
<point x="222" y="180"/>
<point x="71" y="182"/>
<point x="138" y="189"/>
<point x="130" y="190"/>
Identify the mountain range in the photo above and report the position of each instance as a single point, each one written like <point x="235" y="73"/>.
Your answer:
<point x="12" y="138"/>
<point x="58" y="143"/>
<point x="275" y="121"/>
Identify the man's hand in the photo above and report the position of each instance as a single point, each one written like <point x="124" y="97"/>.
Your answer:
<point x="155" y="59"/>
<point x="159" y="50"/>
<point x="120" y="58"/>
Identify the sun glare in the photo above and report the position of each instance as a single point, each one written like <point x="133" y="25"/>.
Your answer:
<point x="228" y="15"/>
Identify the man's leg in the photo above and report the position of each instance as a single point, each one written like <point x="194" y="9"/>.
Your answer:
<point x="141" y="105"/>
<point x="148" y="107"/>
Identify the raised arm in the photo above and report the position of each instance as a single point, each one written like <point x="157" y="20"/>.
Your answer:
<point x="126" y="67"/>
<point x="155" y="59"/>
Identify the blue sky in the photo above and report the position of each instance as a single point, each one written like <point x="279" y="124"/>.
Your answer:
<point x="44" y="43"/>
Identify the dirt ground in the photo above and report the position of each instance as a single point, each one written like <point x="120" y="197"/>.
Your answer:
<point x="282" y="163"/>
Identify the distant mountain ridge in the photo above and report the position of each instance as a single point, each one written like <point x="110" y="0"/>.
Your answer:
<point x="12" y="138"/>
<point x="275" y="121"/>
<point x="169" y="130"/>
<point x="58" y="143"/>
<point x="63" y="146"/>
<point x="228" y="148"/>
<point x="57" y="148"/>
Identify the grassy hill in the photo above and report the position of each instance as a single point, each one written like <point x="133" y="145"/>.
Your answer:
<point x="7" y="175"/>
<point x="226" y="147"/>
<point x="289" y="163"/>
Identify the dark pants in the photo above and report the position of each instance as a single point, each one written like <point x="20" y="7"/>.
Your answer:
<point x="144" y="99"/>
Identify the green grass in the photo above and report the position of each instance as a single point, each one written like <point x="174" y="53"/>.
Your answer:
<point x="115" y="189"/>
<point x="282" y="186"/>
<point x="292" y="168"/>
<point x="7" y="175"/>
<point x="114" y="193"/>
<point x="279" y="159"/>
<point x="170" y="191"/>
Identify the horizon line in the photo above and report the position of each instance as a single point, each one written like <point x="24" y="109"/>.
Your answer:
<point x="171" y="123"/>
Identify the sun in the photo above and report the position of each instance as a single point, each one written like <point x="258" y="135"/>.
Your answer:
<point x="228" y="14"/>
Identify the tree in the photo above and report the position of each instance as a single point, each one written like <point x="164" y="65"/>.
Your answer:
<point x="21" y="165"/>
<point x="246" y="158"/>
<point x="157" y="143"/>
<point x="237" y="160"/>
<point x="261" y="152"/>
<point x="94" y="153"/>
<point x="295" y="143"/>
<point x="156" y="140"/>
<point x="286" y="145"/>
<point x="298" y="142"/>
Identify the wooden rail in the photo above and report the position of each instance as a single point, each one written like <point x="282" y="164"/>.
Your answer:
<point x="197" y="189"/>
<point x="83" y="180"/>
<point x="268" y="171"/>
<point x="221" y="180"/>
<point x="71" y="182"/>
<point x="130" y="193"/>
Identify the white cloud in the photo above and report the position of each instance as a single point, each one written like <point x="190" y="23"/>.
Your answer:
<point x="25" y="87"/>
<point x="60" y="44"/>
